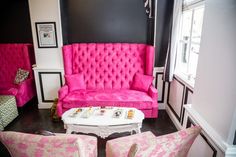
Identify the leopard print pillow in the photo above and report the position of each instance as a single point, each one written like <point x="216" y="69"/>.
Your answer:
<point x="21" y="75"/>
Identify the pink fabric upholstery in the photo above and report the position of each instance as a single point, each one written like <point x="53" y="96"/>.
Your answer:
<point x="141" y="82"/>
<point x="13" y="57"/>
<point x="29" y="145"/>
<point x="63" y="91"/>
<point x="108" y="67"/>
<point x="171" y="145"/>
<point x="152" y="92"/>
<point x="75" y="82"/>
<point x="131" y="98"/>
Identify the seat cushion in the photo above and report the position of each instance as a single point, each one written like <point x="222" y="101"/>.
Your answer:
<point x="123" y="97"/>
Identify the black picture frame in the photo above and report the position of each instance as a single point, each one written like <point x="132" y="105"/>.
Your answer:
<point x="46" y="34"/>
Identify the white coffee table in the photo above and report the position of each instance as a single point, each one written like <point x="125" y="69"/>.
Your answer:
<point x="102" y="125"/>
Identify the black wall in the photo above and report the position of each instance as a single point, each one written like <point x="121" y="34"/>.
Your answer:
<point x="15" y="24"/>
<point x="104" y="21"/>
<point x="163" y="29"/>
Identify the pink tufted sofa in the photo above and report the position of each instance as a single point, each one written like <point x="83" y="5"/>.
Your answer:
<point x="13" y="57"/>
<point x="108" y="71"/>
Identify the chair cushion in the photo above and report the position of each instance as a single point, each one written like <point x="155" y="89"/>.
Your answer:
<point x="141" y="82"/>
<point x="122" y="97"/>
<point x="75" y="82"/>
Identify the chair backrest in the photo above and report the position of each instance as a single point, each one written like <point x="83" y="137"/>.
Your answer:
<point x="22" y="144"/>
<point x="13" y="57"/>
<point x="171" y="145"/>
<point x="108" y="66"/>
<point x="177" y="144"/>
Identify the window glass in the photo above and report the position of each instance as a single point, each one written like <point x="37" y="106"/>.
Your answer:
<point x="189" y="41"/>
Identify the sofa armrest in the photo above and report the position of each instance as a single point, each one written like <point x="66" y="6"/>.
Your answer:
<point x="152" y="92"/>
<point x="63" y="91"/>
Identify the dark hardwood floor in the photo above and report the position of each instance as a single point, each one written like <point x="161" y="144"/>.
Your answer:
<point x="31" y="119"/>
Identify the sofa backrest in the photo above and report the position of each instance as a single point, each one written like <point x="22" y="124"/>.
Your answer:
<point x="108" y="66"/>
<point x="13" y="57"/>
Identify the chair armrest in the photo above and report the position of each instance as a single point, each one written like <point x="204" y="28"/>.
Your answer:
<point x="152" y="92"/>
<point x="63" y="91"/>
<point x="26" y="85"/>
<point x="11" y="91"/>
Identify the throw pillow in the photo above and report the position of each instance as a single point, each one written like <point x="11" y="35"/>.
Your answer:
<point x="75" y="82"/>
<point x="141" y="82"/>
<point x="21" y="75"/>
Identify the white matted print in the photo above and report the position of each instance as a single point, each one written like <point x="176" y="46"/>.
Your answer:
<point x="46" y="34"/>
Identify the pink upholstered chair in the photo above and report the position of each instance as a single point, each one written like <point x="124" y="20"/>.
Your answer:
<point x="148" y="145"/>
<point x="13" y="57"/>
<point x="61" y="145"/>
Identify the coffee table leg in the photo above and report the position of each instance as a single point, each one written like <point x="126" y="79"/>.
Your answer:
<point x="138" y="129"/>
<point x="68" y="131"/>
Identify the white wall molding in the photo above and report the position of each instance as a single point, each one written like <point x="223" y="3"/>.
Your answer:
<point x="162" y="88"/>
<point x="173" y="118"/>
<point x="229" y="150"/>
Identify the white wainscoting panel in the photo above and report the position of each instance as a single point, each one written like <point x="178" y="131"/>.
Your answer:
<point x="200" y="148"/>
<point x="175" y="98"/>
<point x="51" y="83"/>
<point x="161" y="86"/>
<point x="48" y="82"/>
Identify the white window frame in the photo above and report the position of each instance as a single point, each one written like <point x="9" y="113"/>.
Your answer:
<point x="186" y="77"/>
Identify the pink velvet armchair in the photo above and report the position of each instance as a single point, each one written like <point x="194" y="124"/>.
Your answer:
<point x="106" y="76"/>
<point x="13" y="57"/>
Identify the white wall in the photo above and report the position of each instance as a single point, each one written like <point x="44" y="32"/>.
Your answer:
<point x="46" y="11"/>
<point x="215" y="88"/>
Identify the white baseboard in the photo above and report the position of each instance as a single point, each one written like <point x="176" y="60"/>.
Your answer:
<point x="161" y="106"/>
<point x="45" y="105"/>
<point x="172" y="117"/>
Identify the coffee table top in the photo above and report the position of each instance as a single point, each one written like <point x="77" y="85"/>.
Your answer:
<point x="94" y="116"/>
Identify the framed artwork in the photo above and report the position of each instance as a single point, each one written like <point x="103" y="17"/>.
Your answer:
<point x="46" y="34"/>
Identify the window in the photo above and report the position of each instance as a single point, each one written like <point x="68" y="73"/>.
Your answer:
<point x="189" y="39"/>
